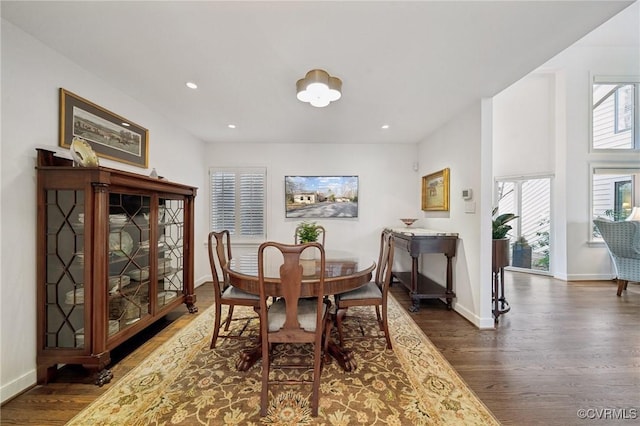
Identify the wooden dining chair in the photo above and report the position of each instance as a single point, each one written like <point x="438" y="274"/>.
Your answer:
<point x="374" y="293"/>
<point x="319" y="228"/>
<point x="224" y="293"/>
<point x="292" y="318"/>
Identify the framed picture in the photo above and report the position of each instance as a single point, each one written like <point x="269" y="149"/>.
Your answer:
<point x="435" y="191"/>
<point x="109" y="135"/>
<point x="321" y="196"/>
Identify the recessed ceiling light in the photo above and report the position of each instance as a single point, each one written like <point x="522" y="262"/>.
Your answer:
<point x="126" y="124"/>
<point x="385" y="126"/>
<point x="231" y="126"/>
<point x="191" y="85"/>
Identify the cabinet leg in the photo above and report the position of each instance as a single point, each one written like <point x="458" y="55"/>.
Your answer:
<point x="103" y="377"/>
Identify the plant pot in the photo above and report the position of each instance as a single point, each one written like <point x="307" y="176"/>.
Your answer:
<point x="521" y="256"/>
<point x="308" y="254"/>
<point x="308" y="267"/>
<point x="308" y="261"/>
<point x="500" y="253"/>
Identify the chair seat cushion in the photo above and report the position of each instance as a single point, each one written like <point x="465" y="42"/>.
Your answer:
<point x="234" y="293"/>
<point x="368" y="291"/>
<point x="306" y="314"/>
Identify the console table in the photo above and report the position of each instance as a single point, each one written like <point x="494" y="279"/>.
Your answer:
<point x="417" y="241"/>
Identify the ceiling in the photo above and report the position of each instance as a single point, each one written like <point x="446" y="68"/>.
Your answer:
<point x="412" y="65"/>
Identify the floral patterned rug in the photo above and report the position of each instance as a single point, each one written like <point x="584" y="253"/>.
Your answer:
<point x="185" y="383"/>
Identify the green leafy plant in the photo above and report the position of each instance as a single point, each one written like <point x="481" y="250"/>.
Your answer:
<point x="308" y="232"/>
<point x="500" y="224"/>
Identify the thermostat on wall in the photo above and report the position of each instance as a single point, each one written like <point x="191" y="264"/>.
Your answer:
<point x="467" y="194"/>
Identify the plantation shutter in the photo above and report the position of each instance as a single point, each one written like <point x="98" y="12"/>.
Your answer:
<point x="252" y="204"/>
<point x="238" y="198"/>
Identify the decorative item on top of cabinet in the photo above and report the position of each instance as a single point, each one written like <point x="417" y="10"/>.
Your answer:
<point x="100" y="280"/>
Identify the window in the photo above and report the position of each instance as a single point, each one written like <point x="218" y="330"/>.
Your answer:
<point x="615" y="191"/>
<point x="616" y="113"/>
<point x="238" y="201"/>
<point x="530" y="199"/>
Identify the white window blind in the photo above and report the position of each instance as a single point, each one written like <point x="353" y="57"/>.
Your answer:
<point x="238" y="200"/>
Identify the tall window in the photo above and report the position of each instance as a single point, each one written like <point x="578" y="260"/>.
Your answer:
<point x="238" y="201"/>
<point x="616" y="113"/>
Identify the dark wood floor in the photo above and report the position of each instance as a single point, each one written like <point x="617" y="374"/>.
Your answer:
<point x="565" y="346"/>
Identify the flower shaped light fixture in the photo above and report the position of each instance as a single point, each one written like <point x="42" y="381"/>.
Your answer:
<point x="319" y="88"/>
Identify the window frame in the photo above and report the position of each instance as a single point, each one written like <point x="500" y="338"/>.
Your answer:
<point x="613" y="168"/>
<point x="625" y="80"/>
<point x="238" y="171"/>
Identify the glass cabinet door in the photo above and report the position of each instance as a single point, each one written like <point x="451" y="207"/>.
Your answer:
<point x="129" y="259"/>
<point x="64" y="265"/>
<point x="170" y="282"/>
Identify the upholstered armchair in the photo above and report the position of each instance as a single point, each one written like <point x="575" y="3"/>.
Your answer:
<point x="623" y="242"/>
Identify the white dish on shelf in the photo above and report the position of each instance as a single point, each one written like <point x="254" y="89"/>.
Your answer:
<point x="117" y="282"/>
<point x="118" y="219"/>
<point x="114" y="327"/>
<point x="120" y="243"/>
<point x="166" y="296"/>
<point x="79" y="297"/>
<point x="79" y="255"/>
<point x="139" y="274"/>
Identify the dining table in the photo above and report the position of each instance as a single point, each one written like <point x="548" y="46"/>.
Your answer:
<point x="344" y="271"/>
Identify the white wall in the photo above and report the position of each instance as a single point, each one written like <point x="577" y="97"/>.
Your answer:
<point x="387" y="186"/>
<point x="462" y="146"/>
<point x="31" y="77"/>
<point x="523" y="138"/>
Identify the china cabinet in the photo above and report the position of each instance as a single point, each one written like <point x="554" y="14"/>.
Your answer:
<point x="114" y="255"/>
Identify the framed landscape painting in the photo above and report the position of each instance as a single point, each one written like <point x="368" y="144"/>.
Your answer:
<point x="435" y="191"/>
<point x="109" y="135"/>
<point x="321" y="196"/>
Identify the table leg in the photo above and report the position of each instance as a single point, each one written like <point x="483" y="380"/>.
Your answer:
<point x="415" y="305"/>
<point x="249" y="357"/>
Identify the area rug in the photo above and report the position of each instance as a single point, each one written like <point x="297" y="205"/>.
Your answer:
<point x="183" y="382"/>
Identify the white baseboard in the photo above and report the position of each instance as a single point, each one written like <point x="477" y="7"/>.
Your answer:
<point x="481" y="323"/>
<point x="17" y="386"/>
<point x="585" y="277"/>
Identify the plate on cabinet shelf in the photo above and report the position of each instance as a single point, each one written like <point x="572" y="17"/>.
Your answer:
<point x="139" y="274"/>
<point x="165" y="296"/>
<point x="120" y="243"/>
<point x="77" y="300"/>
<point x="116" y="282"/>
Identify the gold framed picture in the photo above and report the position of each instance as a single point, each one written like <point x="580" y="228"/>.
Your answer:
<point x="109" y="135"/>
<point x="435" y="191"/>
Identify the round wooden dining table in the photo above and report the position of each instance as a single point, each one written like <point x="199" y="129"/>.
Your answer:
<point x="343" y="272"/>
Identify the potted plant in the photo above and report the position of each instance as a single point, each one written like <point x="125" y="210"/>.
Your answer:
<point x="308" y="232"/>
<point x="500" y="248"/>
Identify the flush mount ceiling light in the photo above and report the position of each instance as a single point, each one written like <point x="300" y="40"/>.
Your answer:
<point x="319" y="88"/>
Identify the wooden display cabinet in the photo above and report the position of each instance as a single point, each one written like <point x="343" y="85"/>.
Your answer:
<point x="115" y="254"/>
